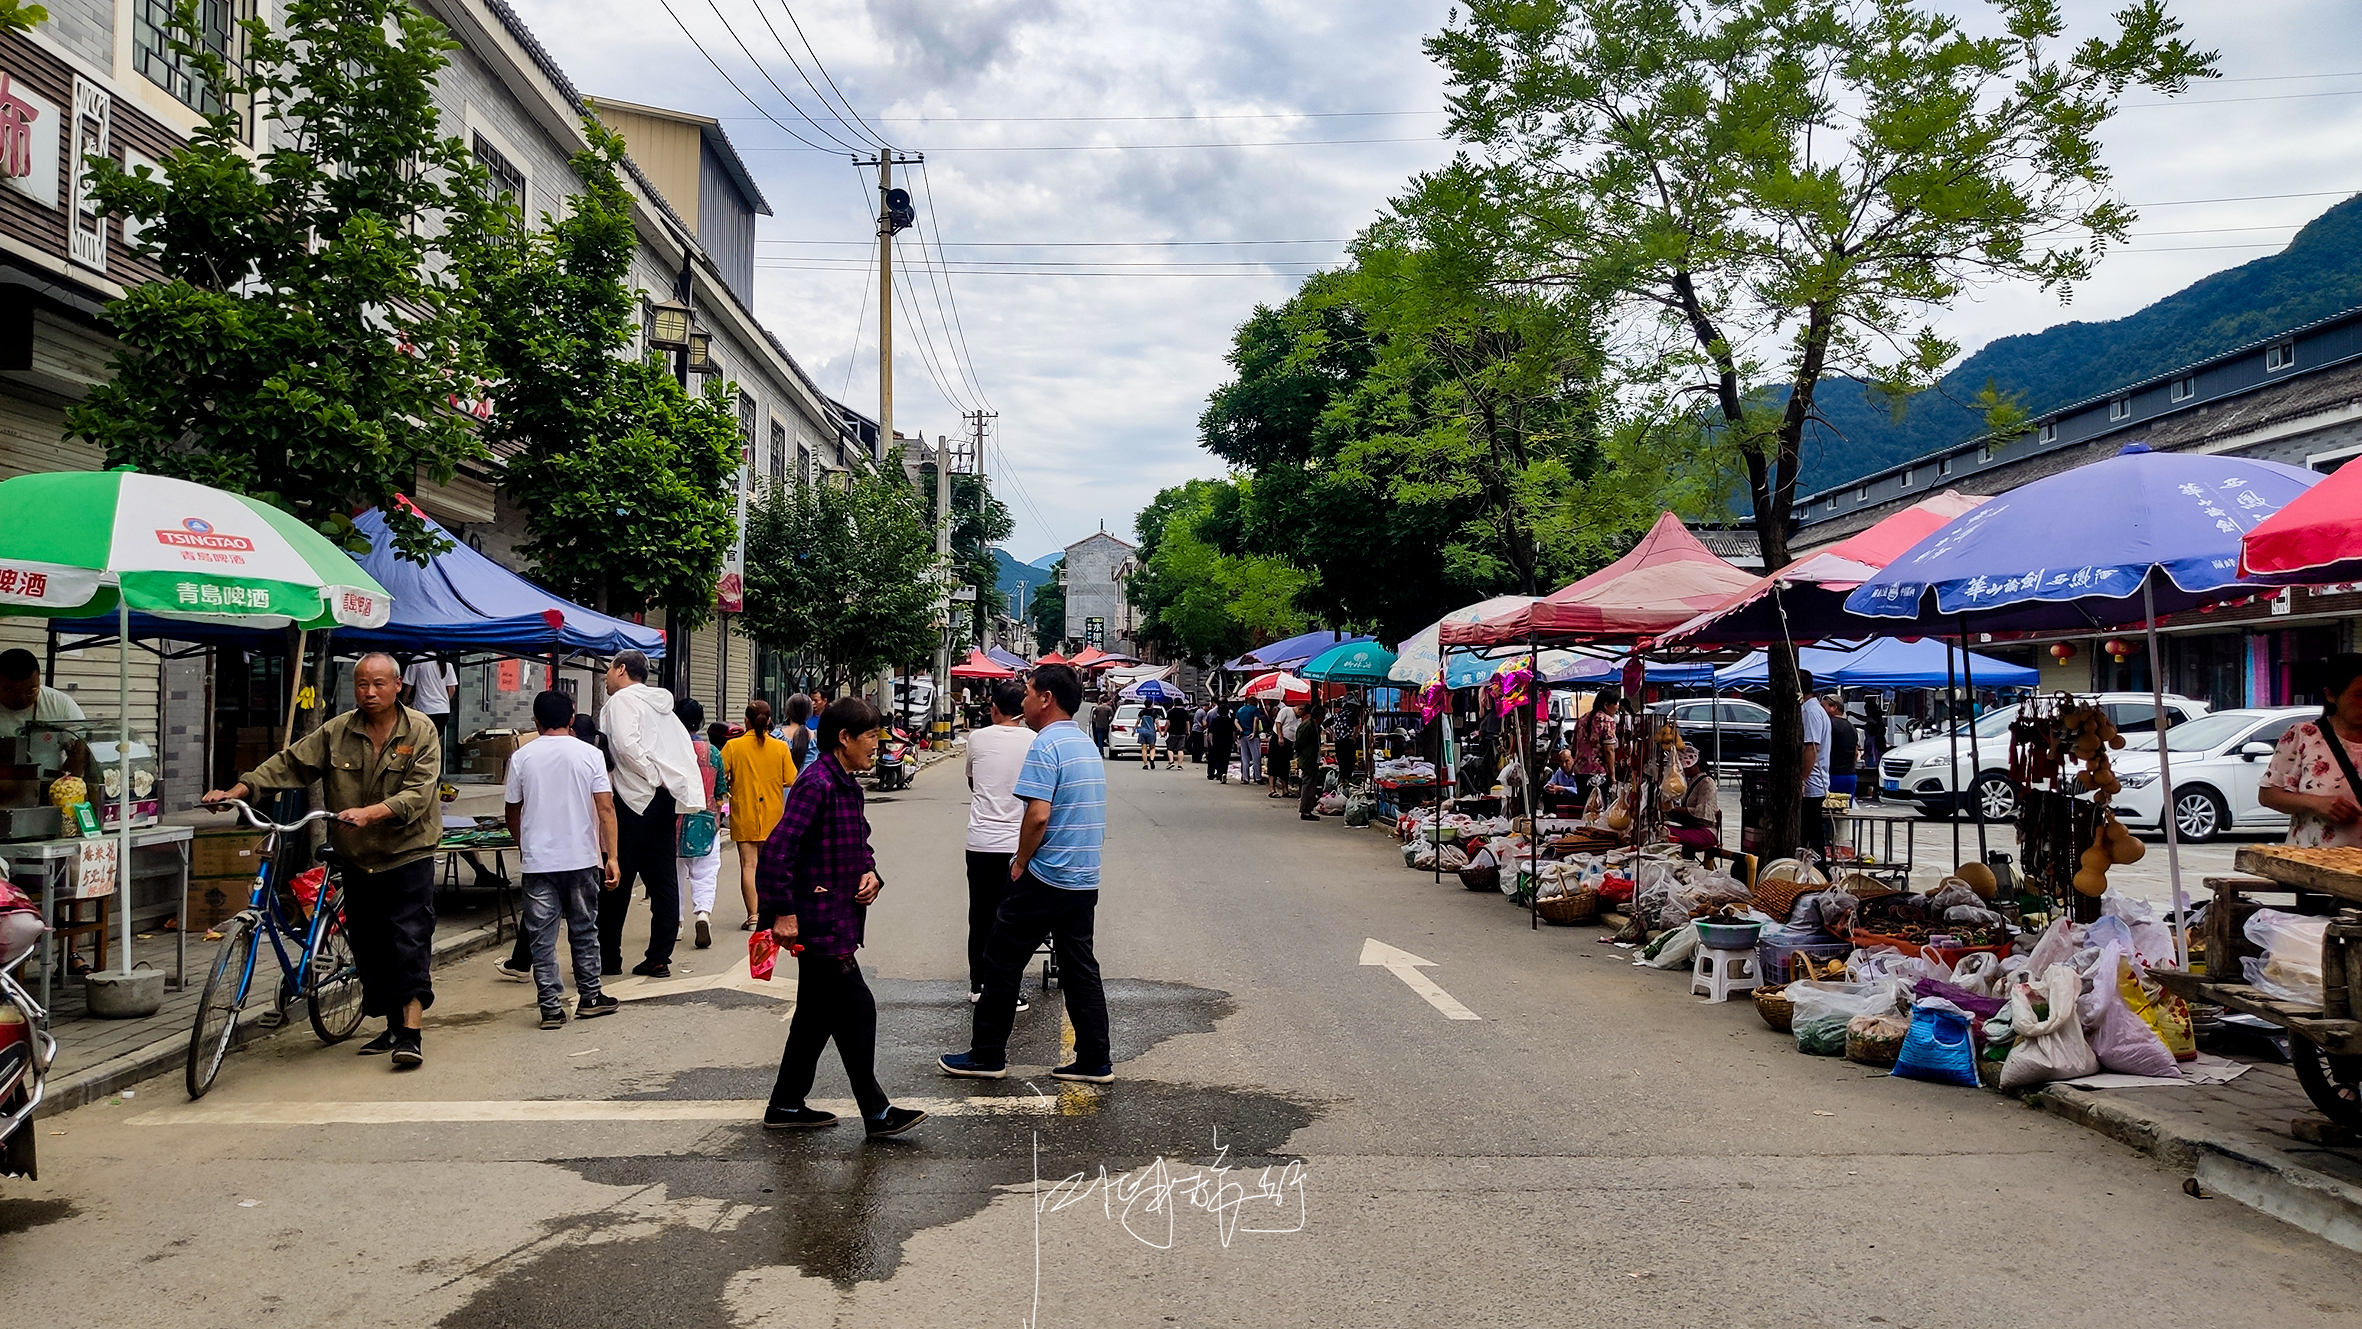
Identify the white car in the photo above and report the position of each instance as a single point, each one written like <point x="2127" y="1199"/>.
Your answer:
<point x="1123" y="736"/>
<point x="1916" y="772"/>
<point x="2218" y="763"/>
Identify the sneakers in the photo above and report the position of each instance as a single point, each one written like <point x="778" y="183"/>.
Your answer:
<point x="409" y="1049"/>
<point x="977" y="994"/>
<point x="524" y="975"/>
<point x="553" y="1017"/>
<point x="595" y="1007"/>
<point x="653" y="969"/>
<point x="1022" y="1004"/>
<point x="894" y="1121"/>
<point x="796" y="1119"/>
<point x="705" y="930"/>
<point x="380" y="1045"/>
<point x="1103" y="1073"/>
<point x="967" y="1067"/>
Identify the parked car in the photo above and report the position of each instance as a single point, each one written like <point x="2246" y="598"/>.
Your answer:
<point x="1123" y="736"/>
<point x="1916" y="772"/>
<point x="1746" y="728"/>
<point x="2218" y="763"/>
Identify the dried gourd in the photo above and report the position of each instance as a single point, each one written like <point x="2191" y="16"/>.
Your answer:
<point x="1675" y="784"/>
<point x="1979" y="878"/>
<point x="2092" y="878"/>
<point x="1619" y="813"/>
<point x="2123" y="845"/>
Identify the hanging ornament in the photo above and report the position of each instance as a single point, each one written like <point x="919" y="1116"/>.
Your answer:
<point x="1517" y="684"/>
<point x="2063" y="652"/>
<point x="2118" y="648"/>
<point x="1433" y="699"/>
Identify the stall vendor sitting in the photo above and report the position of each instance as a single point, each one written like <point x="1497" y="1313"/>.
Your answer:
<point x="1564" y="790"/>
<point x="25" y="700"/>
<point x="379" y="766"/>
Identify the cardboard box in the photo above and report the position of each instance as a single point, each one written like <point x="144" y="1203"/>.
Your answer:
<point x="225" y="853"/>
<point x="212" y="903"/>
<point x="487" y="752"/>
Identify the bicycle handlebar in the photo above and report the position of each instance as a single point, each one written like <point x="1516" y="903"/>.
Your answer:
<point x="262" y="823"/>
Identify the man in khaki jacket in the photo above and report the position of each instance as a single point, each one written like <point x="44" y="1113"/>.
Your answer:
<point x="379" y="768"/>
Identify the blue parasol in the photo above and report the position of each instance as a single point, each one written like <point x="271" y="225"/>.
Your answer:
<point x="1155" y="690"/>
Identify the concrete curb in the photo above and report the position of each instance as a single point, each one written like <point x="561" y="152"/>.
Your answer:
<point x="2261" y="1177"/>
<point x="166" y="1056"/>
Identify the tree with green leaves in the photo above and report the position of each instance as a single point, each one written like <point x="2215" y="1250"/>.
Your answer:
<point x="1046" y="610"/>
<point x="17" y="16"/>
<point x="843" y="574"/>
<point x="625" y="478"/>
<point x="310" y="341"/>
<point x="979" y="520"/>
<point x="1197" y="602"/>
<point x="1765" y="193"/>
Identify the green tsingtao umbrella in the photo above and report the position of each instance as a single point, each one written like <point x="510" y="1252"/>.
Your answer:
<point x="78" y="543"/>
<point x="1364" y="662"/>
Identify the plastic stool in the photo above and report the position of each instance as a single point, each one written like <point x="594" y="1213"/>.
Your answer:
<point x="1720" y="973"/>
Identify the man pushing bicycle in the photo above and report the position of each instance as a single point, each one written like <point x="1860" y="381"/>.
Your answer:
<point x="379" y="766"/>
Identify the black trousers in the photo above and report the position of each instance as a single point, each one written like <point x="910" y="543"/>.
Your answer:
<point x="832" y="1002"/>
<point x="988" y="881"/>
<point x="1218" y="761"/>
<point x="644" y="845"/>
<point x="390" y="917"/>
<point x="1309" y="797"/>
<point x="1032" y="910"/>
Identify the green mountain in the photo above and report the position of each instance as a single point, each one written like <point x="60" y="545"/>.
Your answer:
<point x="1014" y="573"/>
<point x="2317" y="275"/>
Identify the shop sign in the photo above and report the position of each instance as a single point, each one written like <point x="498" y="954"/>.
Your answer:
<point x="94" y="869"/>
<point x="87" y="226"/>
<point x="2283" y="603"/>
<point x="28" y="141"/>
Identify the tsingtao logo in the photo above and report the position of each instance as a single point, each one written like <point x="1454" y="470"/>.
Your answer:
<point x="196" y="526"/>
<point x="196" y="533"/>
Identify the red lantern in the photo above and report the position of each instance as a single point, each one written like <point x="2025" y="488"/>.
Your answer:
<point x="2063" y="652"/>
<point x="2119" y="648"/>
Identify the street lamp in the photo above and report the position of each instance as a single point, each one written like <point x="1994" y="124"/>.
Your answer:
<point x="701" y="359"/>
<point x="668" y="326"/>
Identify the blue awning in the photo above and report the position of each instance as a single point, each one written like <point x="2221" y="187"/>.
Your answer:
<point x="1289" y="653"/>
<point x="1886" y="662"/>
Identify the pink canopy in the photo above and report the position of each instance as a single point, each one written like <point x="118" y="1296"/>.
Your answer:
<point x="1667" y="579"/>
<point x="980" y="665"/>
<point x="1052" y="658"/>
<point x="2317" y="538"/>
<point x="1810" y="605"/>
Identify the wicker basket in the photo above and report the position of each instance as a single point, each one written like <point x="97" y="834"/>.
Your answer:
<point x="1870" y="1048"/>
<point x="1581" y="906"/>
<point x="1487" y="878"/>
<point x="1773" y="1005"/>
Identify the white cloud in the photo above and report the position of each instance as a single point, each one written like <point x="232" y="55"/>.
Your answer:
<point x="1099" y="379"/>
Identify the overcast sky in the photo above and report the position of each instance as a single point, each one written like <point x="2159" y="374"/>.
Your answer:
<point x="1097" y="268"/>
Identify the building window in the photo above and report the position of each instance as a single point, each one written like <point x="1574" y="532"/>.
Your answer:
<point x="779" y="451"/>
<point x="1906" y="481"/>
<point x="1861" y="493"/>
<point x="2181" y="389"/>
<point x="152" y="53"/>
<point x="2049" y="434"/>
<point x="803" y="464"/>
<point x="1993" y="450"/>
<point x="2120" y="409"/>
<point x="1943" y="466"/>
<point x="2279" y="357"/>
<point x="507" y="179"/>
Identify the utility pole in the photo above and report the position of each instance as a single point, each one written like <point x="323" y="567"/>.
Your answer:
<point x="941" y="707"/>
<point x="894" y="213"/>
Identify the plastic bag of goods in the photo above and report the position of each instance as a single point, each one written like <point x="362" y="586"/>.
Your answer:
<point x="1823" y="1009"/>
<point x="2162" y="1011"/>
<point x="1672" y="950"/>
<point x="2120" y="1039"/>
<point x="2291" y="965"/>
<point x="1938" y="1046"/>
<point x="2048" y="1039"/>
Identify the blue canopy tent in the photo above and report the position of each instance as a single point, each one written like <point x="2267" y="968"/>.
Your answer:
<point x="1589" y="669"/>
<point x="1007" y="659"/>
<point x="458" y="600"/>
<point x="1885" y="662"/>
<point x="1288" y="654"/>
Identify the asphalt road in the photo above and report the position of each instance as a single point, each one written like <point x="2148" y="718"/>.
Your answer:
<point x="1595" y="1148"/>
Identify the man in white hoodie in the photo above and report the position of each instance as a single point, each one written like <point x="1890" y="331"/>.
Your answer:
<point x="656" y="781"/>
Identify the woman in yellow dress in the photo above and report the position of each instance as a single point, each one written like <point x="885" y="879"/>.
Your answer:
<point x="759" y="770"/>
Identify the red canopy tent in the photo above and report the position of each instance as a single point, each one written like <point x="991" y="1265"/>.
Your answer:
<point x="1810" y="604"/>
<point x="2317" y="538"/>
<point x="980" y="665"/>
<point x="1666" y="580"/>
<point x="1052" y="658"/>
<point x="1091" y="657"/>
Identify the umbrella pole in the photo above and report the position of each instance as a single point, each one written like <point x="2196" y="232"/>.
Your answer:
<point x="2173" y="838"/>
<point x="1952" y="728"/>
<point x="123" y="799"/>
<point x="1976" y="758"/>
<point x="1533" y="790"/>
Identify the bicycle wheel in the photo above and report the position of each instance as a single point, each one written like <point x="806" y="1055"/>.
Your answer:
<point x="333" y="988"/>
<point x="216" y="1026"/>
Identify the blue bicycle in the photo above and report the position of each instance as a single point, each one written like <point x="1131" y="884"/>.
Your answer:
<point x="320" y="973"/>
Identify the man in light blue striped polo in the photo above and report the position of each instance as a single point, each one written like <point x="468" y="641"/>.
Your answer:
<point x="1053" y="889"/>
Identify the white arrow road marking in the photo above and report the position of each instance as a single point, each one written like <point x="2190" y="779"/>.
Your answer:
<point x="1404" y="965"/>
<point x="549" y="1110"/>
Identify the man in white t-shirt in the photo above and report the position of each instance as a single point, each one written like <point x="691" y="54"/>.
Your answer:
<point x="430" y="682"/>
<point x="1814" y="826"/>
<point x="561" y="808"/>
<point x="996" y="754"/>
<point x="23" y="698"/>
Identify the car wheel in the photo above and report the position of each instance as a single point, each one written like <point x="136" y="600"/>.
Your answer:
<point x="1996" y="799"/>
<point x="2199" y="815"/>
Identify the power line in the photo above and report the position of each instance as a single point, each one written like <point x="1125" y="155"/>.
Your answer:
<point x="928" y="355"/>
<point x="1121" y="119"/>
<point x="832" y="83"/>
<point x="1138" y="147"/>
<point x="2243" y="198"/>
<point x="1067" y="244"/>
<point x="1027" y="272"/>
<point x="935" y="220"/>
<point x="963" y="264"/>
<point x="709" y="59"/>
<point x="715" y="5"/>
<point x="798" y="65"/>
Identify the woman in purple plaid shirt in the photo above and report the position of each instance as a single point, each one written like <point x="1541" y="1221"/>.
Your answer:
<point x="816" y="879"/>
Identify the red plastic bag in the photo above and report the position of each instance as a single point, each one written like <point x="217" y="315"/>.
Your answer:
<point x="762" y="952"/>
<point x="307" y="889"/>
<point x="1615" y="889"/>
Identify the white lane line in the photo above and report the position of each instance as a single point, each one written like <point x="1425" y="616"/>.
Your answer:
<point x="1404" y="965"/>
<point x="546" y="1110"/>
<point x="734" y="977"/>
